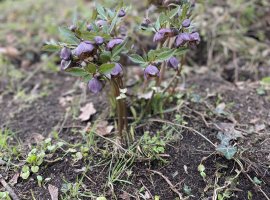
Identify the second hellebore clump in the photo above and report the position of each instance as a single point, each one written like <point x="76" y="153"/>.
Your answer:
<point x="96" y="52"/>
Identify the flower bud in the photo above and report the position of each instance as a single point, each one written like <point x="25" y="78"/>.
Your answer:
<point x="65" y="64"/>
<point x="95" y="85"/>
<point x="99" y="40"/>
<point x="117" y="70"/>
<point x="151" y="71"/>
<point x="65" y="53"/>
<point x="73" y="28"/>
<point x="89" y="27"/>
<point x="112" y="43"/>
<point x="173" y="62"/>
<point x="84" y="49"/>
<point x="195" y="37"/>
<point x="163" y="33"/>
<point x="186" y="23"/>
<point x="122" y="13"/>
<point x="100" y="23"/>
<point x="181" y="39"/>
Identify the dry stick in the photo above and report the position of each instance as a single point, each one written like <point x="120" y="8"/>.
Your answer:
<point x="169" y="183"/>
<point x="8" y="188"/>
<point x="182" y="126"/>
<point x="243" y="170"/>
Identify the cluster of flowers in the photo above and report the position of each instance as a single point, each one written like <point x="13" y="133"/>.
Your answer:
<point x="181" y="39"/>
<point x="90" y="49"/>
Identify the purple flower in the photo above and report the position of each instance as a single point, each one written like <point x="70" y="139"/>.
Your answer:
<point x="65" y="53"/>
<point x="181" y="39"/>
<point x="95" y="85"/>
<point x="73" y="28"/>
<point x="162" y="34"/>
<point x="117" y="70"/>
<point x="151" y="71"/>
<point x="186" y="23"/>
<point x="65" y="64"/>
<point x="121" y="13"/>
<point x="89" y="27"/>
<point x="99" y="40"/>
<point x="195" y="37"/>
<point x="173" y="62"/>
<point x="85" y="48"/>
<point x="101" y="23"/>
<point x="112" y="43"/>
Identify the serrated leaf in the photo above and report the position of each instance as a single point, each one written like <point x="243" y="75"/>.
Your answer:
<point x="51" y="48"/>
<point x="106" y="68"/>
<point x="101" y="11"/>
<point x="105" y="56"/>
<point x="76" y="71"/>
<point x="227" y="150"/>
<point x="173" y="12"/>
<point x="118" y="49"/>
<point x="68" y="35"/>
<point x="90" y="68"/>
<point x="137" y="59"/>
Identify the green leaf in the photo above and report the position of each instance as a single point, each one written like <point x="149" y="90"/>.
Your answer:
<point x="165" y="54"/>
<point x="101" y="11"/>
<point x="266" y="80"/>
<point x="25" y="168"/>
<point x="118" y="49"/>
<point x="106" y="68"/>
<point x="86" y="35"/>
<point x="105" y="56"/>
<point x="173" y="12"/>
<point x="68" y="35"/>
<point x="227" y="150"/>
<point x="137" y="59"/>
<point x="34" y="169"/>
<point x="51" y="48"/>
<point x="76" y="71"/>
<point x="90" y="68"/>
<point x="25" y="175"/>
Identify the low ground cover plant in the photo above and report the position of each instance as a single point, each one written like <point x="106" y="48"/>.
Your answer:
<point x="99" y="50"/>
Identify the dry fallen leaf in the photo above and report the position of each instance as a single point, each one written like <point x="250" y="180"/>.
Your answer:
<point x="64" y="101"/>
<point x="53" y="192"/>
<point x="229" y="130"/>
<point x="14" y="179"/>
<point x="9" y="51"/>
<point x="87" y="111"/>
<point x="103" y="128"/>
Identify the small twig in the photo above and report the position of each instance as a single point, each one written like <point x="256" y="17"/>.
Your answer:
<point x="8" y="188"/>
<point x="182" y="126"/>
<point x="169" y="183"/>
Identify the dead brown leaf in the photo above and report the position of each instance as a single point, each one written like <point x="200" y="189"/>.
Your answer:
<point x="103" y="128"/>
<point x="87" y="111"/>
<point x="9" y="51"/>
<point x="14" y="179"/>
<point x="53" y="192"/>
<point x="229" y="130"/>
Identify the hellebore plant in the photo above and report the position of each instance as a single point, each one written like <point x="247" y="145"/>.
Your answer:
<point x="94" y="51"/>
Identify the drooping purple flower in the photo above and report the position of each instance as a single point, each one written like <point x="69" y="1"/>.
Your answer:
<point x="65" y="64"/>
<point x="99" y="40"/>
<point x="112" y="43"/>
<point x="65" y="53"/>
<point x="73" y="28"/>
<point x="85" y="48"/>
<point x="173" y="62"/>
<point x="186" y="23"/>
<point x="151" y="71"/>
<point x="101" y="23"/>
<point x="162" y="34"/>
<point x="122" y="13"/>
<point x="89" y="27"/>
<point x="181" y="39"/>
<point x="195" y="37"/>
<point x="95" y="85"/>
<point x="117" y="70"/>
